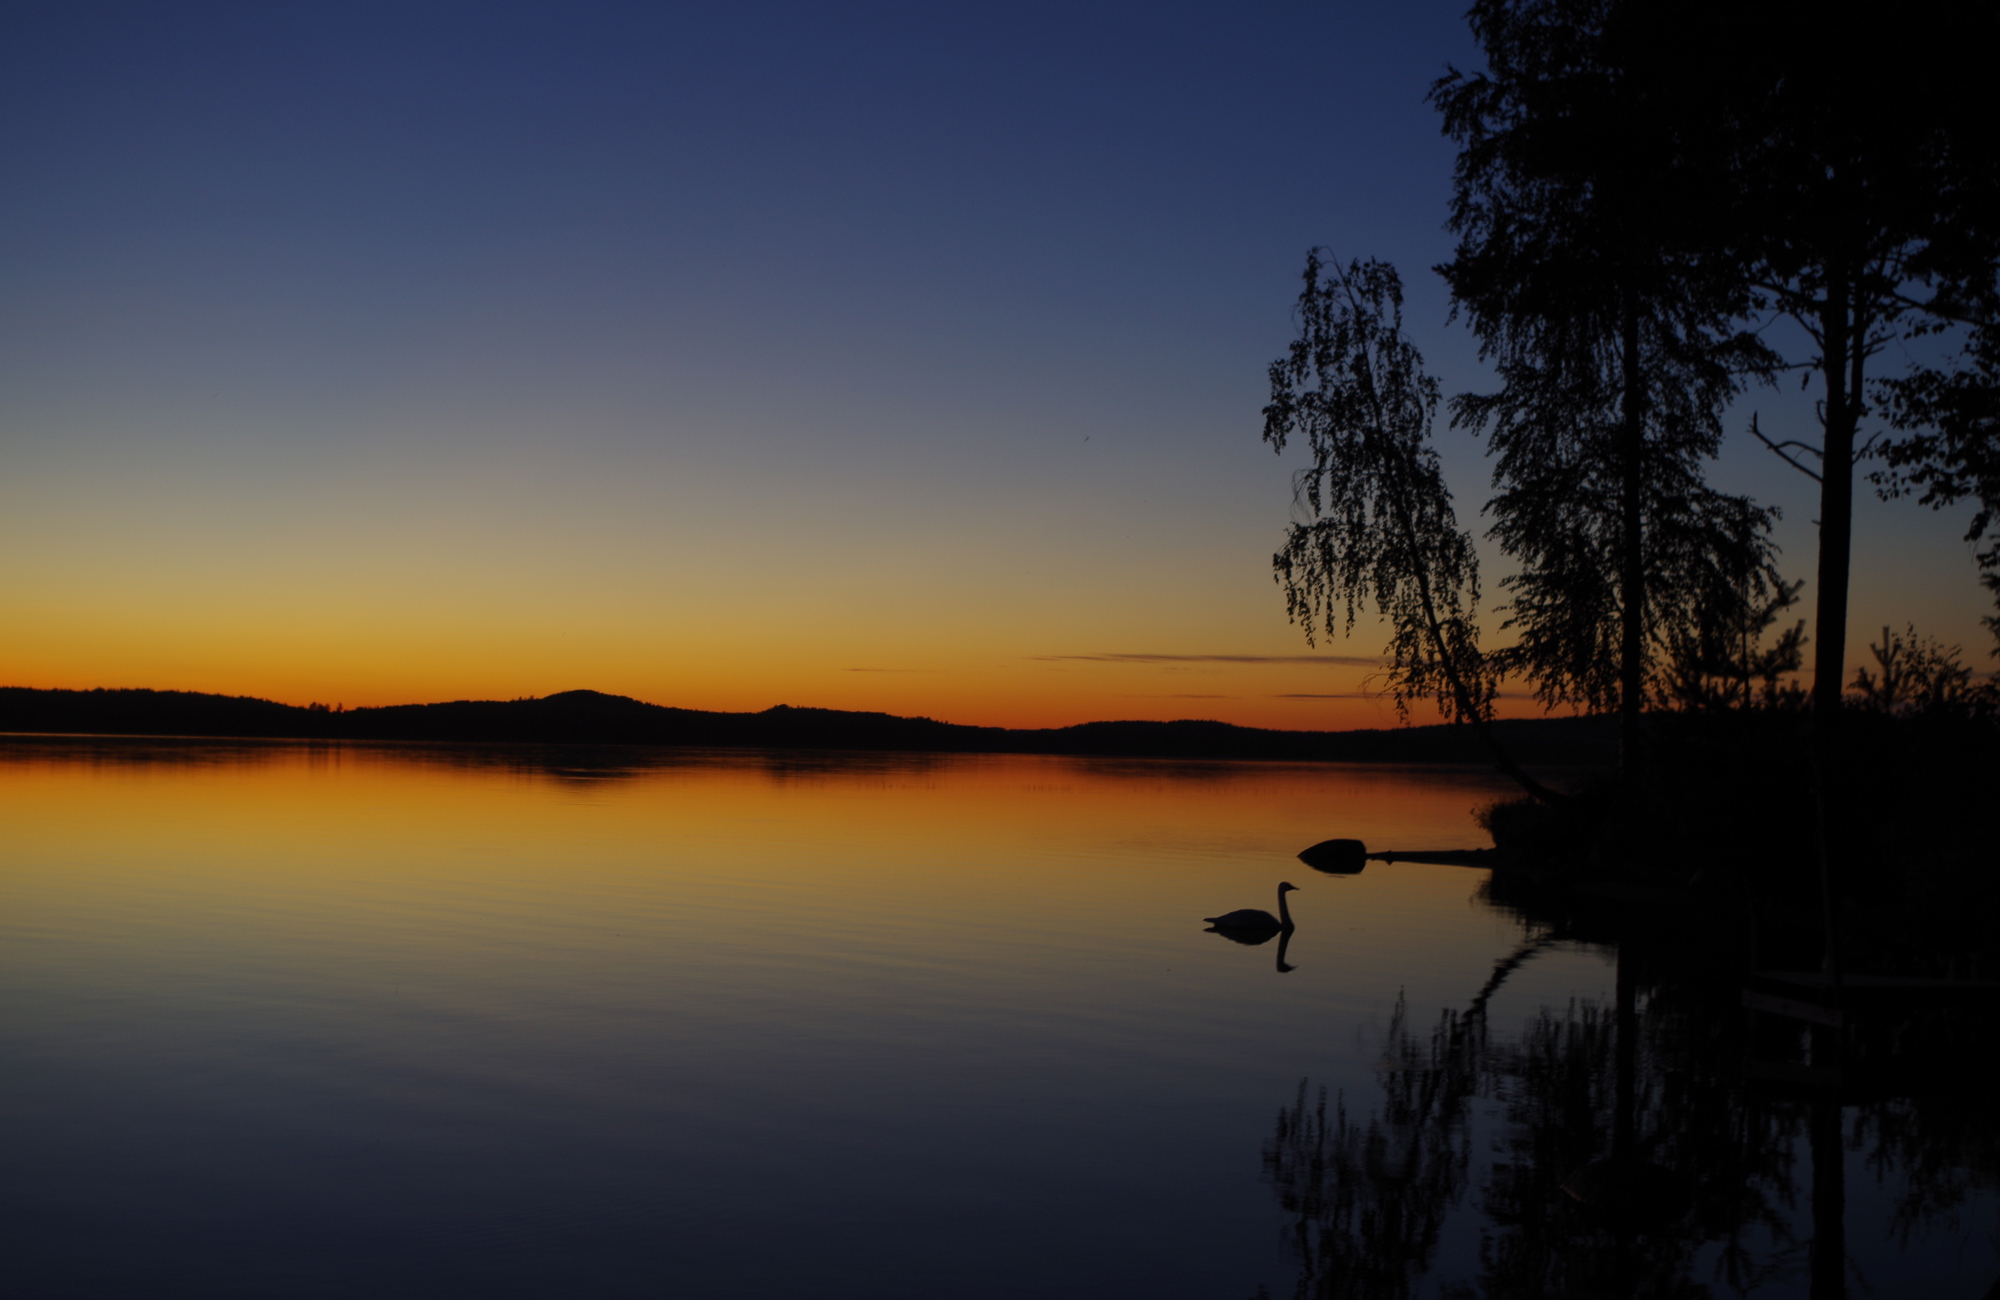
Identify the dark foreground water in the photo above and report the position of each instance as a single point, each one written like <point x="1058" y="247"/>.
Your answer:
<point x="394" y="1021"/>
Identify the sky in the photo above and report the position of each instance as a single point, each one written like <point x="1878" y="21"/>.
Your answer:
<point x="892" y="357"/>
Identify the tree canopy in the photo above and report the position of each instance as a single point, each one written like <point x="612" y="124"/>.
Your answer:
<point x="1859" y="197"/>
<point x="1952" y="449"/>
<point x="1660" y="207"/>
<point x="1580" y="267"/>
<point x="1378" y="528"/>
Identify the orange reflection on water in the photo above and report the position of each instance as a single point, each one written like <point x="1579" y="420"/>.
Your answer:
<point x="332" y="861"/>
<point x="264" y="999"/>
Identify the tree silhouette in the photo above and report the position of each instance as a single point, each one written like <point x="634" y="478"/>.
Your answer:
<point x="1380" y="527"/>
<point x="1861" y="199"/>
<point x="1953" y="451"/>
<point x="1913" y="674"/>
<point x="1724" y="662"/>
<point x="1580" y="268"/>
<point x="1369" y="1201"/>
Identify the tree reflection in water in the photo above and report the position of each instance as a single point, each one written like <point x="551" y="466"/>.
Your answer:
<point x="1630" y="1156"/>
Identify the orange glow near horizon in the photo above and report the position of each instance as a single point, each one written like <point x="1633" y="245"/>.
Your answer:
<point x="1059" y="671"/>
<point x="1022" y="694"/>
<point x="616" y="578"/>
<point x="1136" y="589"/>
<point x="1165" y="633"/>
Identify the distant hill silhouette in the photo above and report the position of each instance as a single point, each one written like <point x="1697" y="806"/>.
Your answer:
<point x="590" y="717"/>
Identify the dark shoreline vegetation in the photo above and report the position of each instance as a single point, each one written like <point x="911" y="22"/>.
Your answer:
<point x="1648" y="1145"/>
<point x="1721" y="834"/>
<point x="1719" y="831"/>
<point x="1779" y="994"/>
<point x="593" y="718"/>
<point x="1639" y="1135"/>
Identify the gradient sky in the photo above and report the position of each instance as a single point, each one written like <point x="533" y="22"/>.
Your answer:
<point x="901" y="357"/>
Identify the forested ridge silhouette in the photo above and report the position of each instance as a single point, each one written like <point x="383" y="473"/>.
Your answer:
<point x="591" y="717"/>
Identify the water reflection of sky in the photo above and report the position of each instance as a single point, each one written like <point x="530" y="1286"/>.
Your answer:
<point x="416" y="1021"/>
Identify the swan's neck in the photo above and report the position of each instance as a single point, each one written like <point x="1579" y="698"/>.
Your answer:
<point x="1284" y="913"/>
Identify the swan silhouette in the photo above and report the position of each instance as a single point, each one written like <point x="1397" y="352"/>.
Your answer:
<point x="1256" y="919"/>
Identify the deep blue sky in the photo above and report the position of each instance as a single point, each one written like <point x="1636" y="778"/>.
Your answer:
<point x="712" y="354"/>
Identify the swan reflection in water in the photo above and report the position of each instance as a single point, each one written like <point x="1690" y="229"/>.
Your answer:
<point x="1253" y="925"/>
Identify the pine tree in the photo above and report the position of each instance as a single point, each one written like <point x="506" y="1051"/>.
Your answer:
<point x="1581" y="268"/>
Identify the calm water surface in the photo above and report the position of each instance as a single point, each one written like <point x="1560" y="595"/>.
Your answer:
<point x="396" y="1021"/>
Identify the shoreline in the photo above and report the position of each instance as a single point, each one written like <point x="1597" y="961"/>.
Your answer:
<point x="591" y="718"/>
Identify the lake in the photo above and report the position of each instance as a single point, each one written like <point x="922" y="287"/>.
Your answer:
<point x="395" y="1020"/>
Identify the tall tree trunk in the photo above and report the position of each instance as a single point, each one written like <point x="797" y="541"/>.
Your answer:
<point x="1827" y="1251"/>
<point x="1631" y="553"/>
<point x="1843" y="332"/>
<point x="1839" y="350"/>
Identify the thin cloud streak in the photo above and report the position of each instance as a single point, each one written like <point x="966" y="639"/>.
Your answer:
<point x="1184" y="695"/>
<point x="1347" y="695"/>
<point x="1324" y="661"/>
<point x="1380" y="695"/>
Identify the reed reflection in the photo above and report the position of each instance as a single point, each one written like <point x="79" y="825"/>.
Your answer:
<point x="1646" y="1148"/>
